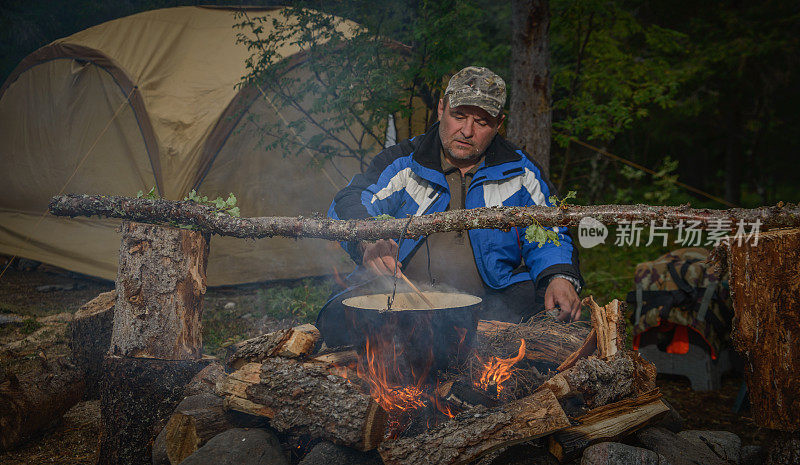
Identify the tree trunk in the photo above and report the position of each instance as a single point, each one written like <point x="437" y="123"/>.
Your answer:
<point x="765" y="285"/>
<point x="155" y="344"/>
<point x="160" y="285"/>
<point x="478" y="431"/>
<point x="137" y="397"/>
<point x="530" y="114"/>
<point x="212" y="222"/>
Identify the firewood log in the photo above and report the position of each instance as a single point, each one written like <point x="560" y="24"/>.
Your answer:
<point x="91" y="336"/>
<point x="585" y="350"/>
<point x="478" y="431"/>
<point x="196" y="419"/>
<point x="545" y="340"/>
<point x="599" y="381"/>
<point x="33" y="399"/>
<point x="306" y="400"/>
<point x="290" y="343"/>
<point x="607" y="423"/>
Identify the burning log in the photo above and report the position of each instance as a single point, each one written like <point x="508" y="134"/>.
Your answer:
<point x="607" y="423"/>
<point x="289" y="343"/>
<point x="301" y="399"/>
<point x="156" y="339"/>
<point x="208" y="220"/>
<point x="478" y="431"/>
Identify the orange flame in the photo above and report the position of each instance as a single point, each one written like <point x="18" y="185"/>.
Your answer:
<point x="375" y="371"/>
<point x="498" y="370"/>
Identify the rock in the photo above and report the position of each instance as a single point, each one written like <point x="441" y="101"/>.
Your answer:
<point x="752" y="455"/>
<point x="673" y="420"/>
<point x="328" y="453"/>
<point x="26" y="264"/>
<point x="724" y="444"/>
<point x="10" y="319"/>
<point x="159" y="455"/>
<point x="230" y="305"/>
<point x="614" y="453"/>
<point x="528" y="453"/>
<point x="240" y="446"/>
<point x="60" y="287"/>
<point x="677" y="450"/>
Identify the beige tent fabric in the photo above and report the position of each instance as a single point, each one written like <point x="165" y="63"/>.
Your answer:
<point x="148" y="100"/>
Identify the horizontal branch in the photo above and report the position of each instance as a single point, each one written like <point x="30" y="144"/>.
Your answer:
<point x="147" y="210"/>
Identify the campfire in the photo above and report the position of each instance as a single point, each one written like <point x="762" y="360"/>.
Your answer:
<point x="503" y="382"/>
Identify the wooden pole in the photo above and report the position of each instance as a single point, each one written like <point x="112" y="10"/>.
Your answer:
<point x="156" y="341"/>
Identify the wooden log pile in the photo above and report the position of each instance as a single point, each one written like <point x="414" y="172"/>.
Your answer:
<point x="319" y="395"/>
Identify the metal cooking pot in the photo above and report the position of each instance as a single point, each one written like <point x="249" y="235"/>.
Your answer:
<point x="420" y="339"/>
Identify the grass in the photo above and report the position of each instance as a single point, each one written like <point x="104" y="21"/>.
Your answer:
<point x="231" y="315"/>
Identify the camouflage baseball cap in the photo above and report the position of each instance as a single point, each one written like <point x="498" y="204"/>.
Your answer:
<point x="479" y="87"/>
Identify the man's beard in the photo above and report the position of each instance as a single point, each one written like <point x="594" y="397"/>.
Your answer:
<point x="474" y="155"/>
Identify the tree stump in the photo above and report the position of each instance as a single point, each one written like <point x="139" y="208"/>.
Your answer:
<point x="156" y="341"/>
<point x="765" y="287"/>
<point x="160" y="286"/>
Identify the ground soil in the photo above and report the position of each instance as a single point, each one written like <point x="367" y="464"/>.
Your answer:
<point x="74" y="439"/>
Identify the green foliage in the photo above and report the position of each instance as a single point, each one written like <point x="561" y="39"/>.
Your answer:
<point x="359" y="73"/>
<point x="219" y="204"/>
<point x="383" y="217"/>
<point x="609" y="68"/>
<point x="536" y="233"/>
<point x="660" y="190"/>
<point x="151" y="194"/>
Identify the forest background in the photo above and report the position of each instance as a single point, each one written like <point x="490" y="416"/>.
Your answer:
<point x="705" y="93"/>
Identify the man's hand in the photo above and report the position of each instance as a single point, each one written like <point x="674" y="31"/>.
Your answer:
<point x="379" y="257"/>
<point x="560" y="292"/>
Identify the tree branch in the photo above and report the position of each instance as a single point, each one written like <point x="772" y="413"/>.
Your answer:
<point x="207" y="219"/>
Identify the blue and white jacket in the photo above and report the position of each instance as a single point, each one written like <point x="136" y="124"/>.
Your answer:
<point x="407" y="179"/>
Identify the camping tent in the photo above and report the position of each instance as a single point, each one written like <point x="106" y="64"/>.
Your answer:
<point x="150" y="100"/>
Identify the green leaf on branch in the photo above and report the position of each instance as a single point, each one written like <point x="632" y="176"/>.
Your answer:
<point x="220" y="205"/>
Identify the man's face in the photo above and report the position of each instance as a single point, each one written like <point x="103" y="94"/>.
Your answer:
<point x="466" y="131"/>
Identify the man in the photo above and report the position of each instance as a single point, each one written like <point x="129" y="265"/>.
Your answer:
<point x="461" y="162"/>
